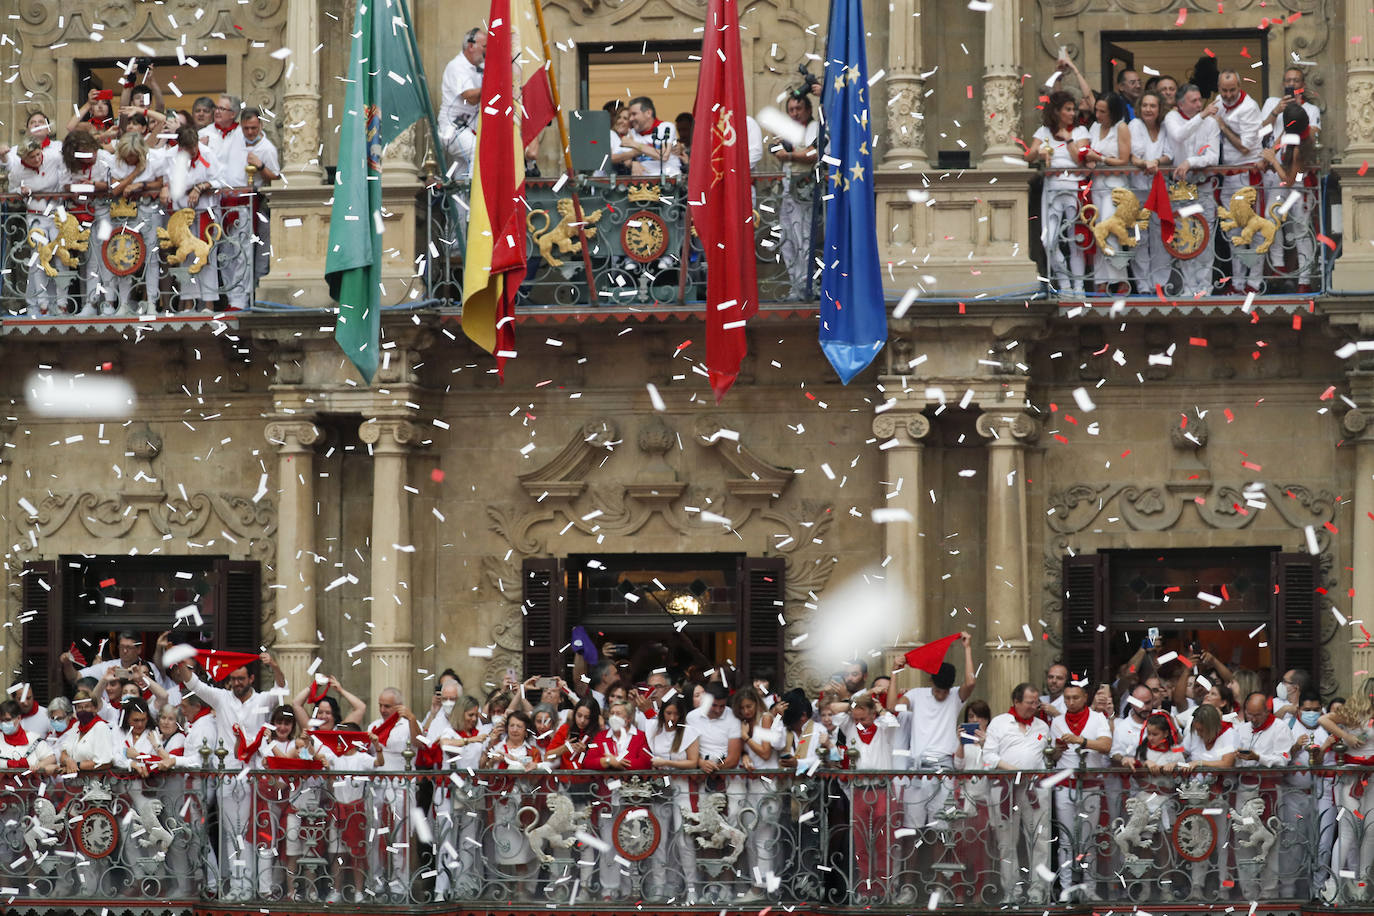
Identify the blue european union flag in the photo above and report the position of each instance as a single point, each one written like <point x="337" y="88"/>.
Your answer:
<point x="853" y="314"/>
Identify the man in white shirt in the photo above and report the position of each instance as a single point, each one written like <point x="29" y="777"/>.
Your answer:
<point x="1126" y="732"/>
<point x="262" y="157"/>
<point x="1056" y="679"/>
<point x="1294" y="90"/>
<point x="654" y="141"/>
<point x="1016" y="740"/>
<point x="35" y="170"/>
<point x="391" y="733"/>
<point x="226" y="147"/>
<point x="1262" y="740"/>
<point x="719" y="744"/>
<point x="461" y="89"/>
<point x="794" y="213"/>
<point x="930" y="733"/>
<point x="1238" y="119"/>
<point x="1084" y="738"/>
<point x="1196" y="143"/>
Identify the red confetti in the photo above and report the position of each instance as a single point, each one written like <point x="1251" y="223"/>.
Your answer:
<point x="1209" y="52"/>
<point x="682" y="346"/>
<point x="1225" y="595"/>
<point x="1330" y="527"/>
<point x="1061" y="438"/>
<point x="1197" y="341"/>
<point x="810" y="396"/>
<point x="106" y="583"/>
<point x="1182" y="18"/>
<point x="1325" y="240"/>
<point x="1244" y="51"/>
<point x="1230" y="417"/>
<point x="1297" y="322"/>
<point x="970" y="91"/>
<point x="1250" y="466"/>
<point x="1125" y="453"/>
<point x="1364" y="167"/>
<point x="1327" y="394"/>
<point x="436" y="475"/>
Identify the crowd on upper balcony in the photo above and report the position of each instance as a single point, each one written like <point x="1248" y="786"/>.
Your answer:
<point x="99" y="203"/>
<point x="1217" y="152"/>
<point x="926" y="772"/>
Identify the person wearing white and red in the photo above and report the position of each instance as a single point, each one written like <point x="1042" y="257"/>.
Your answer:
<point x="514" y="749"/>
<point x="871" y="734"/>
<point x="192" y="179"/>
<point x="61" y="724"/>
<point x="761" y="737"/>
<point x="137" y="175"/>
<point x="1311" y="795"/>
<point x="459" y="93"/>
<point x="1057" y="143"/>
<point x="1016" y="740"/>
<point x="1238" y="119"/>
<point x="391" y="732"/>
<point x="348" y="750"/>
<point x="86" y="174"/>
<point x="1294" y="91"/>
<point x="1291" y="162"/>
<point x="673" y="749"/>
<point x="226" y="147"/>
<point x="35" y="173"/>
<point x="1084" y="738"/>
<point x="20" y="750"/>
<point x="1262" y="740"/>
<point x="929" y="718"/>
<point x="91" y="746"/>
<point x="462" y="745"/>
<point x="202" y="733"/>
<point x="654" y="141"/>
<point x="264" y="160"/>
<point x="1195" y="144"/>
<point x="1211" y="744"/>
<point x="1353" y="725"/>
<point x="620" y="746"/>
<point x="32" y="717"/>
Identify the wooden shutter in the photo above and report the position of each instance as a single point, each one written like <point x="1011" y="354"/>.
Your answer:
<point x="763" y="586"/>
<point x="41" y="619"/>
<point x="1084" y="625"/>
<point x="238" y="621"/>
<point x="1295" y="608"/>
<point x="544" y="614"/>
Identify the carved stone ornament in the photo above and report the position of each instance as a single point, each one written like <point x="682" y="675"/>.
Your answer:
<point x="1355" y="422"/>
<point x="300" y="135"/>
<point x="1001" y="110"/>
<point x="1021" y="427"/>
<point x="289" y="435"/>
<point x="1359" y="110"/>
<point x="390" y="433"/>
<point x="1189" y="433"/>
<point x="906" y="128"/>
<point x="914" y="426"/>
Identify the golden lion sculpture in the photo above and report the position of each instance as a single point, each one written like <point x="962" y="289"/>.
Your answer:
<point x="179" y="236"/>
<point x="1241" y="215"/>
<point x="563" y="235"/>
<point x="70" y="237"/>
<point x="1129" y="216"/>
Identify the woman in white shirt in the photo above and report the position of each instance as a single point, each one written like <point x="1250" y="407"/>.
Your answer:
<point x="1109" y="141"/>
<point x="761" y="737"/>
<point x="1353" y="724"/>
<point x="91" y="748"/>
<point x="1058" y="143"/>
<point x="1150" y="153"/>
<point x="1211" y="744"/>
<point x="971" y="793"/>
<point x="673" y="747"/>
<point x="348" y="753"/>
<point x="190" y="181"/>
<point x="136" y="177"/>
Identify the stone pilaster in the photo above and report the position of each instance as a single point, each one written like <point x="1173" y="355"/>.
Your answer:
<point x="906" y="132"/>
<point x="1358" y="426"/>
<point x="1355" y="269"/>
<point x="398" y="160"/>
<point x="901" y="435"/>
<point x="295" y="441"/>
<point x="1007" y="589"/>
<point x="1002" y="88"/>
<point x="390" y="647"/>
<point x="301" y="101"/>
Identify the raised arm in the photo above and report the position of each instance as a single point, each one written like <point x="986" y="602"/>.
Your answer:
<point x="970" y="676"/>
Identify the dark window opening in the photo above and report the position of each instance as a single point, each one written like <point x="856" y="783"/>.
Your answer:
<point x="1178" y="52"/>
<point x="665" y="71"/>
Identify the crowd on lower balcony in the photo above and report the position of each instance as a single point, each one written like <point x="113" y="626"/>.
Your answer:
<point x="139" y="209"/>
<point x="655" y="778"/>
<point x="1162" y="189"/>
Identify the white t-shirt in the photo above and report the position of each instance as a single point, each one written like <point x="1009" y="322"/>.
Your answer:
<point x="1244" y="119"/>
<point x="266" y="152"/>
<point x="1007" y="742"/>
<point x="461" y="75"/>
<point x="1271" y="744"/>
<point x="931" y="726"/>
<point x="661" y="743"/>
<point x="1061" y="158"/>
<point x="1126" y="736"/>
<point x="1096" y="727"/>
<point x="228" y="152"/>
<point x="715" y="734"/>
<point x="1197" y="752"/>
<point x="1195" y="140"/>
<point x="661" y="136"/>
<point x="876" y="753"/>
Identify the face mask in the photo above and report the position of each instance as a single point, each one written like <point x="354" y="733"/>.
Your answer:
<point x="85" y="716"/>
<point x="447" y="706"/>
<point x="616" y="723"/>
<point x="1310" y="717"/>
<point x="1281" y="691"/>
<point x="9" y="727"/>
<point x="61" y="725"/>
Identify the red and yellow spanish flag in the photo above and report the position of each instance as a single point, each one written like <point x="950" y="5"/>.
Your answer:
<point x="494" y="266"/>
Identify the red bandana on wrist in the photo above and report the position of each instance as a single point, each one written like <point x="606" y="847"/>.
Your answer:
<point x="1076" y="720"/>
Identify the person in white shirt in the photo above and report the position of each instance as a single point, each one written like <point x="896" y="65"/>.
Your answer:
<point x="1057" y="144"/>
<point x="929" y="717"/>
<point x="32" y="717"/>
<point x="673" y="747"/>
<point x="1056" y="679"/>
<point x="463" y="745"/>
<point x="86" y="175"/>
<point x="761" y="737"/>
<point x="653" y="140"/>
<point x="35" y="173"/>
<point x="1109" y="147"/>
<point x="1353" y="725"/>
<point x="91" y="747"/>
<point x="226" y="147"/>
<point x="794" y="209"/>
<point x="20" y="750"/>
<point x="1210" y="743"/>
<point x="266" y="168"/>
<point x="1294" y="90"/>
<point x="458" y="97"/>
<point x="391" y="731"/>
<point x="1083" y="738"/>
<point x="1238" y="119"/>
<point x="1016" y="740"/>
<point x="61" y="722"/>
<point x="1150" y="153"/>
<point x="136" y="176"/>
<point x="1262" y="740"/>
<point x="191" y="182"/>
<point x="871" y="734"/>
<point x="1195" y="142"/>
<point x="1310" y="749"/>
<point x="348" y="822"/>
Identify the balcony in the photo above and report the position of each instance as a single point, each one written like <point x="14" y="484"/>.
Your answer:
<point x="837" y="841"/>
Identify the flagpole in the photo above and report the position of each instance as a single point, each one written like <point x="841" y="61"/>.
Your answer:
<point x="419" y="71"/>
<point x="564" y="143"/>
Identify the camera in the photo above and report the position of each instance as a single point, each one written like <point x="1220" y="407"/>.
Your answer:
<point x="620" y="650"/>
<point x="810" y="79"/>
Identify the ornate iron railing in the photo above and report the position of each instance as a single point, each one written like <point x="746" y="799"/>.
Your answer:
<point x="838" y="839"/>
<point x="640" y="247"/>
<point x="86" y="255"/>
<point x="1235" y="233"/>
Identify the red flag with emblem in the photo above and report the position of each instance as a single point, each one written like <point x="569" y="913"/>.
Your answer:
<point x="719" y="189"/>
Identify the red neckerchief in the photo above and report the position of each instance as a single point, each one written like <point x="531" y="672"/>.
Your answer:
<point x="867" y="732"/>
<point x="1239" y="101"/>
<point x="1182" y="115"/>
<point x="100" y="123"/>
<point x="1076" y="720"/>
<point x="46" y="141"/>
<point x="383" y="731"/>
<point x="33" y="710"/>
<point x="20" y="738"/>
<point x="85" y="728"/>
<point x="1267" y="722"/>
<point x="1025" y="723"/>
<point x="1163" y="747"/>
<point x="471" y="734"/>
<point x="1225" y="726"/>
<point x="243" y="749"/>
<point x="204" y="711"/>
<point x="224" y="134"/>
<point x="1221" y="731"/>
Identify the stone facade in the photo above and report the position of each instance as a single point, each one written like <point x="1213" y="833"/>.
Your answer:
<point x="397" y="516"/>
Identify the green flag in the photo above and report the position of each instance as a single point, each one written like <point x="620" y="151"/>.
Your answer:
<point x="385" y="95"/>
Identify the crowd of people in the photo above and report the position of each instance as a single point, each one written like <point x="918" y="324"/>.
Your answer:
<point x="534" y="787"/>
<point x="1091" y="145"/>
<point x="126" y="169"/>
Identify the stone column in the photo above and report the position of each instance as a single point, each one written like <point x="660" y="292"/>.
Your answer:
<point x="1355" y="269"/>
<point x="390" y="646"/>
<point x="1002" y="88"/>
<point x="1359" y="429"/>
<point x="296" y="646"/>
<point x="300" y="115"/>
<point x="902" y="540"/>
<point x="398" y="160"/>
<point x="1007" y="591"/>
<point x="906" y="132"/>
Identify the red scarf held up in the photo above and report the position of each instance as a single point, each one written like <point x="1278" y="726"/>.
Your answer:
<point x="243" y="749"/>
<point x="1075" y="720"/>
<point x="383" y="731"/>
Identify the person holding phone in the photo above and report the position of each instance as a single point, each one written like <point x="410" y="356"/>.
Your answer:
<point x="95" y="114"/>
<point x="1294" y="92"/>
<point x="1083" y="738"/>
